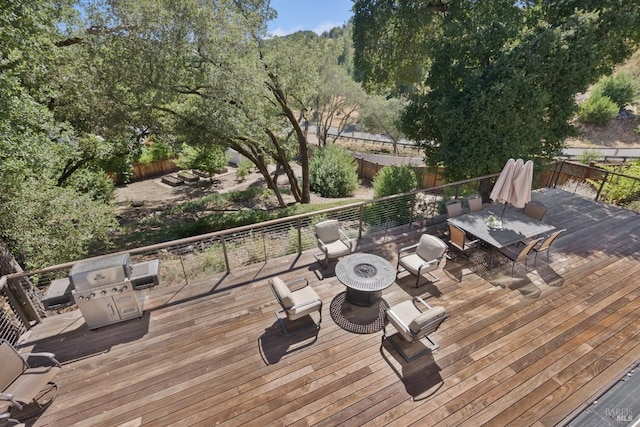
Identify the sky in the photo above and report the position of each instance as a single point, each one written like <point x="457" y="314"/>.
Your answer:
<point x="314" y="15"/>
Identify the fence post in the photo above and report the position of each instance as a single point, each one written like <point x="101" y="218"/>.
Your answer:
<point x="606" y="175"/>
<point x="299" y="228"/>
<point x="361" y="221"/>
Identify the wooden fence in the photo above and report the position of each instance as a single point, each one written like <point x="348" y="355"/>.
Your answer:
<point x="426" y="176"/>
<point x="162" y="167"/>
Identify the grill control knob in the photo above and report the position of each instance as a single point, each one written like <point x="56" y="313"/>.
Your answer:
<point x="114" y="290"/>
<point x="103" y="293"/>
<point x="91" y="296"/>
<point x="80" y="297"/>
<point x="124" y="288"/>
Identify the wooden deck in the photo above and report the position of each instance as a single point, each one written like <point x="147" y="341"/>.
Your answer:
<point x="528" y="350"/>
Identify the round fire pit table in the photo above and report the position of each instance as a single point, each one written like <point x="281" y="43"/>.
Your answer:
<point x="365" y="276"/>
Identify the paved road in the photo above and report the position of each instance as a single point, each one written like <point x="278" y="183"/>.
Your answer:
<point x="605" y="153"/>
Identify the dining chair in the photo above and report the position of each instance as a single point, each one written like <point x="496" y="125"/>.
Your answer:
<point x="535" y="210"/>
<point x="474" y="202"/>
<point x="454" y="208"/>
<point x="545" y="245"/>
<point x="458" y="240"/>
<point x="517" y="255"/>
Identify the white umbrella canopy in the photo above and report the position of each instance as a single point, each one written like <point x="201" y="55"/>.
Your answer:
<point x="502" y="188"/>
<point x="514" y="184"/>
<point x="522" y="179"/>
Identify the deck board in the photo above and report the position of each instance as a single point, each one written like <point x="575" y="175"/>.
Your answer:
<point x="528" y="350"/>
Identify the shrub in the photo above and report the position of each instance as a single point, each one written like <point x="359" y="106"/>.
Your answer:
<point x="206" y="159"/>
<point x="394" y="180"/>
<point x="621" y="89"/>
<point x="333" y="172"/>
<point x="597" y="110"/>
<point x="156" y="152"/>
<point x="244" y="167"/>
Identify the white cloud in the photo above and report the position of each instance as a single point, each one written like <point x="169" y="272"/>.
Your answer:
<point x="326" y="26"/>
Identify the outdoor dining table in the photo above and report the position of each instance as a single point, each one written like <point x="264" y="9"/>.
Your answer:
<point x="515" y="228"/>
<point x="365" y="276"/>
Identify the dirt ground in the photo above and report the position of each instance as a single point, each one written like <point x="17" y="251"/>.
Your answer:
<point x="154" y="194"/>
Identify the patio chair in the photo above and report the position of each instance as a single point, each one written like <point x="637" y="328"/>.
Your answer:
<point x="333" y="242"/>
<point x="459" y="242"/>
<point x="423" y="257"/>
<point x="545" y="245"/>
<point x="517" y="255"/>
<point x="296" y="302"/>
<point x="21" y="384"/>
<point x="535" y="210"/>
<point x="474" y="202"/>
<point x="454" y="208"/>
<point x="413" y="324"/>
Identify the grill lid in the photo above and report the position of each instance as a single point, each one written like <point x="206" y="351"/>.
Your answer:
<point x="91" y="273"/>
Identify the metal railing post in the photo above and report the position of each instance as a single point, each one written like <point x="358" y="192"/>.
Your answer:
<point x="224" y="251"/>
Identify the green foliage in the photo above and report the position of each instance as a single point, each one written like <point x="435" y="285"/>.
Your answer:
<point x="495" y="79"/>
<point x="621" y="190"/>
<point x="333" y="172"/>
<point x="207" y="158"/>
<point x="621" y="88"/>
<point x="47" y="225"/>
<point x="394" y="180"/>
<point x="597" y="110"/>
<point x="244" y="168"/>
<point x="588" y="155"/>
<point x="156" y="151"/>
<point x="94" y="183"/>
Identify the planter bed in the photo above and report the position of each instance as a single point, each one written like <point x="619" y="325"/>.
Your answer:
<point x="171" y="180"/>
<point x="188" y="176"/>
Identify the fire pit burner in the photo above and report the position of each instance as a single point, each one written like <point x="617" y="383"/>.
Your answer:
<point x="365" y="270"/>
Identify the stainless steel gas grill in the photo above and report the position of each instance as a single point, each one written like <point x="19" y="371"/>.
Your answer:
<point x="103" y="290"/>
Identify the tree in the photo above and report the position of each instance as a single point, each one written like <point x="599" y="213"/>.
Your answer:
<point x="205" y="75"/>
<point x="41" y="221"/>
<point x="494" y="79"/>
<point x="381" y="115"/>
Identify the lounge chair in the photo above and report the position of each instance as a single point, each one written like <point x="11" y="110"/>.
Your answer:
<point x="295" y="301"/>
<point x="423" y="257"/>
<point x="413" y="323"/>
<point x="333" y="242"/>
<point x="22" y="384"/>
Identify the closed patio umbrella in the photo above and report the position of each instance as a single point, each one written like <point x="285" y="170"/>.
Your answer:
<point x="514" y="184"/>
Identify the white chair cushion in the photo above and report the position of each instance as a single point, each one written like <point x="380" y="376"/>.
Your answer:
<point x="431" y="317"/>
<point x="413" y="262"/>
<point x="327" y="231"/>
<point x="283" y="292"/>
<point x="302" y="296"/>
<point x="336" y="249"/>
<point x="430" y="247"/>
